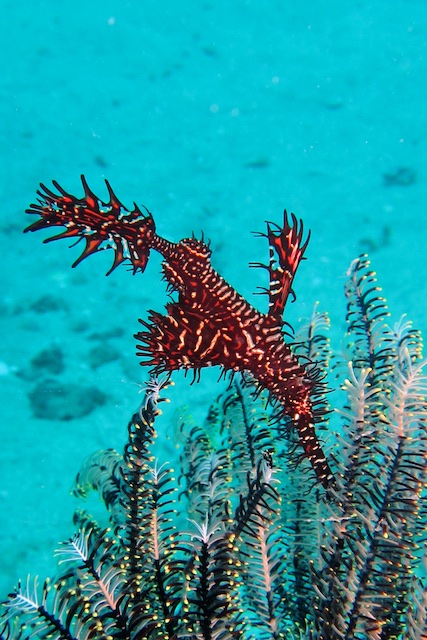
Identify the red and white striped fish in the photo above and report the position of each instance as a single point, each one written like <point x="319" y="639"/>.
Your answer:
<point x="210" y="323"/>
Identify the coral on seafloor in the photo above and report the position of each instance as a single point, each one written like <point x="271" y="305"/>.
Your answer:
<point x="242" y="541"/>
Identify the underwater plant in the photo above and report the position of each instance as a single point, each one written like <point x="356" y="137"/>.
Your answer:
<point x="249" y="541"/>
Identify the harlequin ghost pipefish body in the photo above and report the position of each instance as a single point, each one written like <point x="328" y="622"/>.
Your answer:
<point x="210" y="323"/>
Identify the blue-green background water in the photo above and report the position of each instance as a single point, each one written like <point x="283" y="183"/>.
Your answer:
<point x="216" y="115"/>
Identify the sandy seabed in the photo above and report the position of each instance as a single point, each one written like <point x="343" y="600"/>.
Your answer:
<point x="216" y="116"/>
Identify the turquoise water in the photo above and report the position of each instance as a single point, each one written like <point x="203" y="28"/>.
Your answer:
<point x="216" y="116"/>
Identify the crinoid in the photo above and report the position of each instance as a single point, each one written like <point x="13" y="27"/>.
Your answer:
<point x="242" y="546"/>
